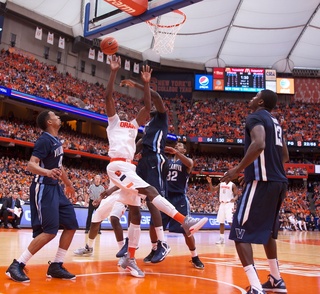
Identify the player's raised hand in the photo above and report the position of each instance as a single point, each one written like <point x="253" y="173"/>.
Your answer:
<point x="115" y="62"/>
<point x="146" y="73"/>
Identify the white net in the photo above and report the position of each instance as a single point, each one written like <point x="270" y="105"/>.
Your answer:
<point x="164" y="29"/>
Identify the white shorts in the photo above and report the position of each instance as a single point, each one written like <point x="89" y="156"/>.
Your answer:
<point x="225" y="212"/>
<point x="123" y="175"/>
<point x="115" y="205"/>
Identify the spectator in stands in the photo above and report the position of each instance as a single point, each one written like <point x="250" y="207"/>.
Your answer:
<point x="311" y="223"/>
<point x="11" y="207"/>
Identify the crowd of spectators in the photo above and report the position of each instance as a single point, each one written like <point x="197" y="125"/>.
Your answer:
<point x="300" y="121"/>
<point x="27" y="131"/>
<point x="190" y="118"/>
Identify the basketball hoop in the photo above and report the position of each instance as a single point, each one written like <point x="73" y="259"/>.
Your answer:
<point x="164" y="29"/>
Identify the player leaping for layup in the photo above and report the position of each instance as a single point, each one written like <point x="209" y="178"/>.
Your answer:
<point x="122" y="172"/>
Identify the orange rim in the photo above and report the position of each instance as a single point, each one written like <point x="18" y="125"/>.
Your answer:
<point x="169" y="26"/>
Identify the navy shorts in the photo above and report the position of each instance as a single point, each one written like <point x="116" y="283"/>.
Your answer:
<point x="181" y="203"/>
<point x="154" y="170"/>
<point x="257" y="214"/>
<point x="50" y="209"/>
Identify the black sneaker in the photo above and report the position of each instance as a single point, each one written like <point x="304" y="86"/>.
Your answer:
<point x="16" y="272"/>
<point x="162" y="251"/>
<point x="273" y="285"/>
<point x="124" y="248"/>
<point x="56" y="270"/>
<point x="197" y="263"/>
<point x="148" y="258"/>
<point x="254" y="290"/>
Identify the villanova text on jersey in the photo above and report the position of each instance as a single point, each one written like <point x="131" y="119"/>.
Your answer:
<point x="58" y="151"/>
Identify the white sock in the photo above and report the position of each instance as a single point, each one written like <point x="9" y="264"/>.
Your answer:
<point x="274" y="268"/>
<point x="25" y="256"/>
<point x="222" y="236"/>
<point x="90" y="242"/>
<point x="61" y="253"/>
<point x="164" y="205"/>
<point x="134" y="232"/>
<point x="120" y="244"/>
<point x="253" y="276"/>
<point x="193" y="253"/>
<point x="160" y="233"/>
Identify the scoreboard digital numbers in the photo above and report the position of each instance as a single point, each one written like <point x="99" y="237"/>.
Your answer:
<point x="233" y="79"/>
<point x="244" y="79"/>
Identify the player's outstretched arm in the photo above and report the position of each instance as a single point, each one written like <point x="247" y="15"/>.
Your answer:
<point x="115" y="64"/>
<point x="145" y="111"/>
<point x="155" y="96"/>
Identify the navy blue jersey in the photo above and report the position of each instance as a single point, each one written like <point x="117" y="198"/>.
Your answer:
<point x="268" y="166"/>
<point x="50" y="152"/>
<point x="155" y="134"/>
<point x="177" y="178"/>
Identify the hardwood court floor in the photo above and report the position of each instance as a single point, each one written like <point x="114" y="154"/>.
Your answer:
<point x="299" y="254"/>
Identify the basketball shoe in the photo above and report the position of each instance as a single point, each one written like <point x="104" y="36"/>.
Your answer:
<point x="124" y="248"/>
<point x="220" y="241"/>
<point x="148" y="258"/>
<point x="86" y="251"/>
<point x="192" y="225"/>
<point x="131" y="265"/>
<point x="273" y="285"/>
<point x="197" y="263"/>
<point x="56" y="270"/>
<point x="162" y="251"/>
<point x="16" y="272"/>
<point x="254" y="290"/>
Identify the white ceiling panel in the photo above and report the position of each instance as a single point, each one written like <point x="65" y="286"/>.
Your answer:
<point x="221" y="32"/>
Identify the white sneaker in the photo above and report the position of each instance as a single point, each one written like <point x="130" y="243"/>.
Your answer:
<point x="220" y="241"/>
<point x="131" y="265"/>
<point x="192" y="225"/>
<point x="86" y="251"/>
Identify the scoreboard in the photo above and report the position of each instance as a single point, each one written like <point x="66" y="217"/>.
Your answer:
<point x="243" y="79"/>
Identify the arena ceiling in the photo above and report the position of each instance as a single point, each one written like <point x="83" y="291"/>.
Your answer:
<point x="279" y="34"/>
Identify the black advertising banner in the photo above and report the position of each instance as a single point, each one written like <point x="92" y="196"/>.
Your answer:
<point x="173" y="85"/>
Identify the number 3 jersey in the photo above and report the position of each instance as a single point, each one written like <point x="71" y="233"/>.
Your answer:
<point x="268" y="165"/>
<point x="177" y="178"/>
<point x="122" y="137"/>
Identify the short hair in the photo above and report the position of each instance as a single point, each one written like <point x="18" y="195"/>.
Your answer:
<point x="269" y="98"/>
<point x="42" y="119"/>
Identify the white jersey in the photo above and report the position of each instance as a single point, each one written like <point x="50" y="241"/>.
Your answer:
<point x="225" y="192"/>
<point x="122" y="137"/>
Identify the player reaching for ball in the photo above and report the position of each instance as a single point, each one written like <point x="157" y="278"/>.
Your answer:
<point x="50" y="208"/>
<point x="122" y="171"/>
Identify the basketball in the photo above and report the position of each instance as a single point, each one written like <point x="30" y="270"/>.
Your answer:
<point x="109" y="45"/>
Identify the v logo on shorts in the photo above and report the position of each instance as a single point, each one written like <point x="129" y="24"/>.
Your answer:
<point x="240" y="233"/>
<point x="118" y="173"/>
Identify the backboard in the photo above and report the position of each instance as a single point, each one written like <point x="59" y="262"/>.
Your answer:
<point x="102" y="18"/>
